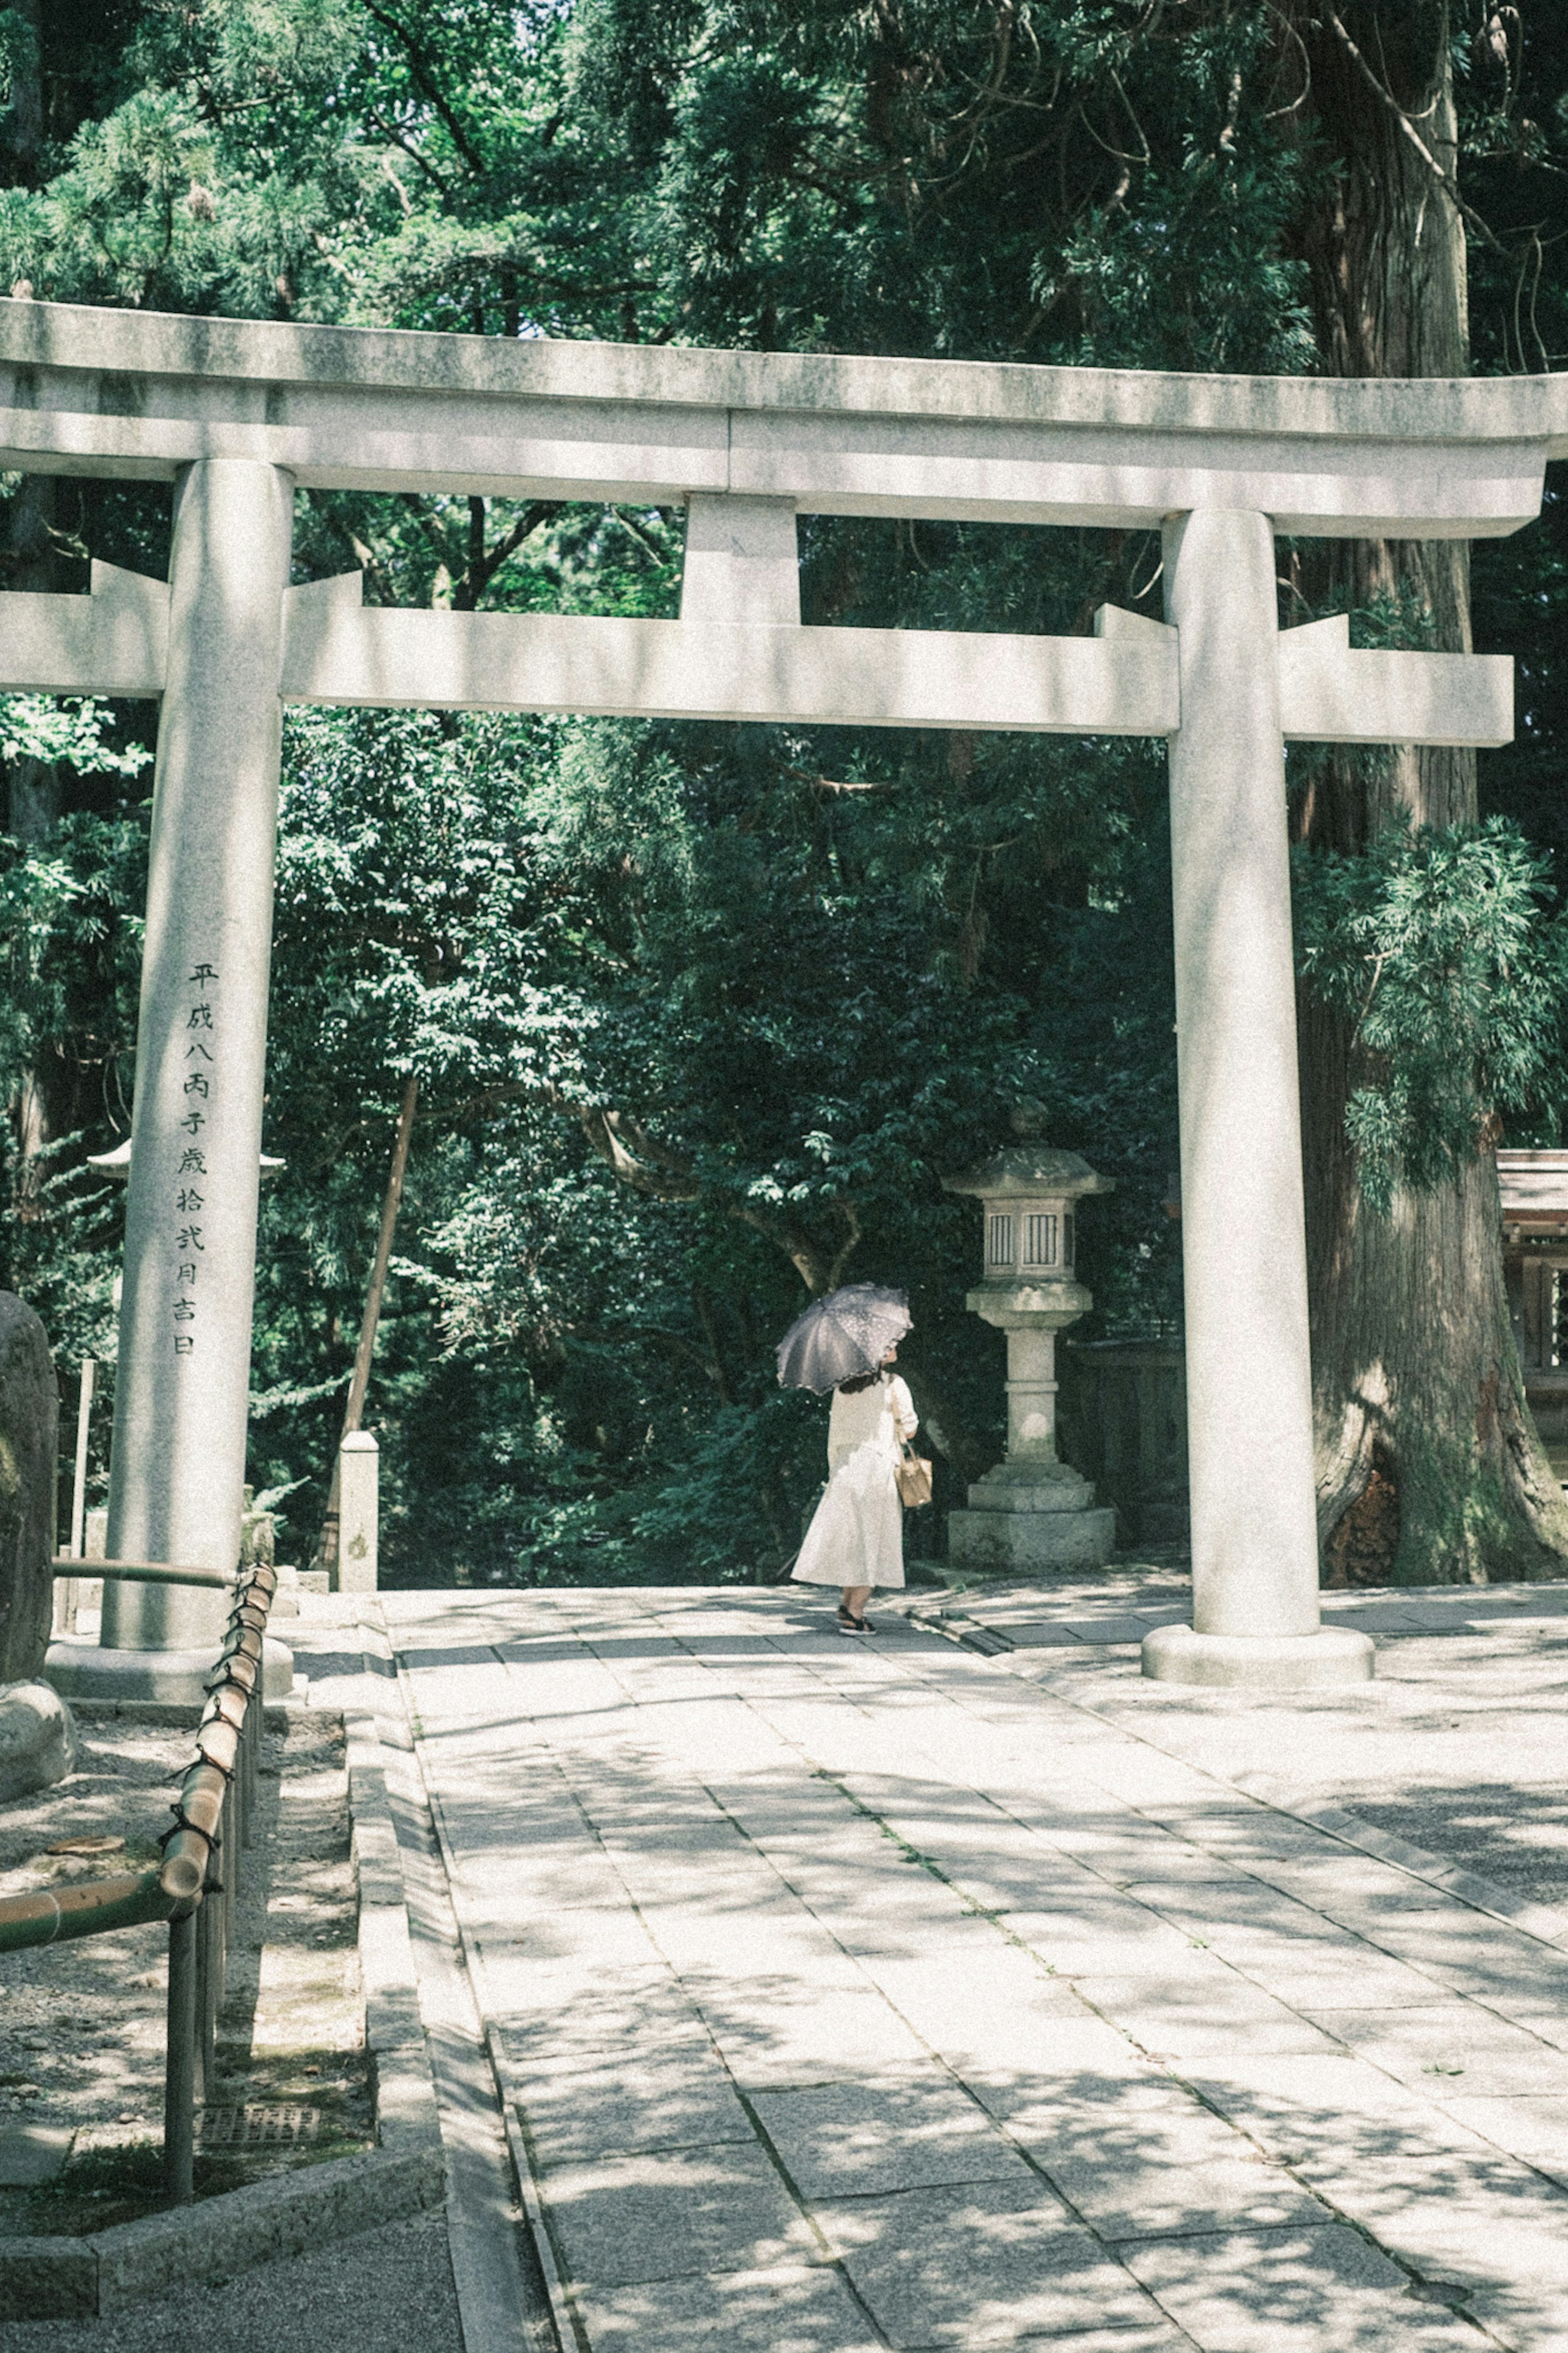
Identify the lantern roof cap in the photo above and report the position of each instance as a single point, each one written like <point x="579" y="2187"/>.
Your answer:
<point x="1026" y="1171"/>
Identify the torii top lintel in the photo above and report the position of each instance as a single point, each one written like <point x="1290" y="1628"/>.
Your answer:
<point x="137" y="395"/>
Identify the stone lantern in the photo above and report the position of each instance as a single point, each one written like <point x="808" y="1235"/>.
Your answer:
<point x="1033" y="1510"/>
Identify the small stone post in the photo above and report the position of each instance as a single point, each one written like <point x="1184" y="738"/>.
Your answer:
<point x="68" y="1589"/>
<point x="359" y="1507"/>
<point x="1244" y="1252"/>
<point x="183" y="1388"/>
<point x="1033" y="1510"/>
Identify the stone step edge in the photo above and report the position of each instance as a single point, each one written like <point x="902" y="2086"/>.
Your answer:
<point x="1545" y="1923"/>
<point x="939" y="1616"/>
<point x="569" y="2331"/>
<point x="217" y="2239"/>
<point x="568" y="2328"/>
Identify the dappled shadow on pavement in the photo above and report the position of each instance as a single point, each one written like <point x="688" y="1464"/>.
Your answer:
<point x="856" y="1994"/>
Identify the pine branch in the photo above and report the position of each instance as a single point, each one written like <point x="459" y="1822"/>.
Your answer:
<point x="426" y="80"/>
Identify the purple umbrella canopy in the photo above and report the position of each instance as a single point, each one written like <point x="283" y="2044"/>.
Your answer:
<point x="843" y="1336"/>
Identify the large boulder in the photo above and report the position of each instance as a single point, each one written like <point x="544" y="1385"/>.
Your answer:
<point x="29" y="1431"/>
<point x="38" y="1739"/>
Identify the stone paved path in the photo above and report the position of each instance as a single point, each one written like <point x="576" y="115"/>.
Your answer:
<point x="880" y="1994"/>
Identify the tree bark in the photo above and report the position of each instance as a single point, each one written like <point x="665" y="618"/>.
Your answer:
<point x="22" y="124"/>
<point x="32" y="798"/>
<point x="1429" y="1468"/>
<point x="33" y="811"/>
<point x="353" y="1411"/>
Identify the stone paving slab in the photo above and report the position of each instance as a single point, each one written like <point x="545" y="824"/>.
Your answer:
<point x="1309" y="2111"/>
<point x="1337" y="1979"/>
<point x="997" y="2014"/>
<point x="1316" y="2291"/>
<point x="584" y="2015"/>
<point x="1157" y="2171"/>
<point x="786" y="2310"/>
<point x="1533" y="2129"/>
<point x="987" y="2265"/>
<point x="663" y="2214"/>
<point x="775" y="2033"/>
<point x="675" y="2095"/>
<point x="885" y="1993"/>
<point x="1451" y="2042"/>
<point x="862" y="2140"/>
<point x="1184" y="2018"/>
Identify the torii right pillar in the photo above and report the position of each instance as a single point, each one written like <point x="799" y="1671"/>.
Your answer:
<point x="1256" y="1616"/>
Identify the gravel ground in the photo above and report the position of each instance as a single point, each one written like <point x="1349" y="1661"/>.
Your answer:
<point x="81" y="2024"/>
<point x="388" y="2292"/>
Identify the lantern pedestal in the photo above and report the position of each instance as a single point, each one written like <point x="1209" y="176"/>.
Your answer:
<point x="1025" y="1517"/>
<point x="1032" y="1512"/>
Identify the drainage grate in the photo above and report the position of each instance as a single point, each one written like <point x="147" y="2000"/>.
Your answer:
<point x="260" y="2127"/>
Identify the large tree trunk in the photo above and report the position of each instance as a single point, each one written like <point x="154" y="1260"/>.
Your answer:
<point x="1429" y="1468"/>
<point x="33" y="811"/>
<point x="33" y="795"/>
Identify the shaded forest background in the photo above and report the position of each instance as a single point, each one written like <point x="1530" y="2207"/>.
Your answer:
<point x="700" y="1015"/>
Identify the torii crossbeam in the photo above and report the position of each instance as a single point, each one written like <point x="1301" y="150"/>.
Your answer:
<point x="237" y="413"/>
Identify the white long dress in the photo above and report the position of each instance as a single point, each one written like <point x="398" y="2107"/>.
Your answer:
<point x="856" y="1532"/>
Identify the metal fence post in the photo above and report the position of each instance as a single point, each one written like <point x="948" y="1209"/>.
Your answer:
<point x="236" y="1835"/>
<point x="209" y="1993"/>
<point x="180" y="2063"/>
<point x="225" y="1890"/>
<point x="238" y="1783"/>
<point x="249" y="1758"/>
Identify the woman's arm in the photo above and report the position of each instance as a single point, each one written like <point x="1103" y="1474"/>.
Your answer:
<point x="904" y="1414"/>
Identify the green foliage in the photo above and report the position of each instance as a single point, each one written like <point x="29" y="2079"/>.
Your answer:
<point x="1433" y="945"/>
<point x="690" y="1026"/>
<point x="71" y="938"/>
<point x="70" y="728"/>
<point x="1080" y="183"/>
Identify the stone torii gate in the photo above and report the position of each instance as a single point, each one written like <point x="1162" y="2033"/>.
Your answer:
<point x="237" y="414"/>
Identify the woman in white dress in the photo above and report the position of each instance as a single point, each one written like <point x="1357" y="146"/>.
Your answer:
<point x="856" y="1539"/>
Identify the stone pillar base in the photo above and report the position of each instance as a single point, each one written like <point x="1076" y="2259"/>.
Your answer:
<point x="1335" y="1654"/>
<point x="84" y="1670"/>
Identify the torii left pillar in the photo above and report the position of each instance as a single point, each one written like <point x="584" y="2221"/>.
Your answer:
<point x="183" y="1383"/>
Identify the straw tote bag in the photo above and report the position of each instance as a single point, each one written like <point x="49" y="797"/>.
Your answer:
<point x="913" y="1475"/>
